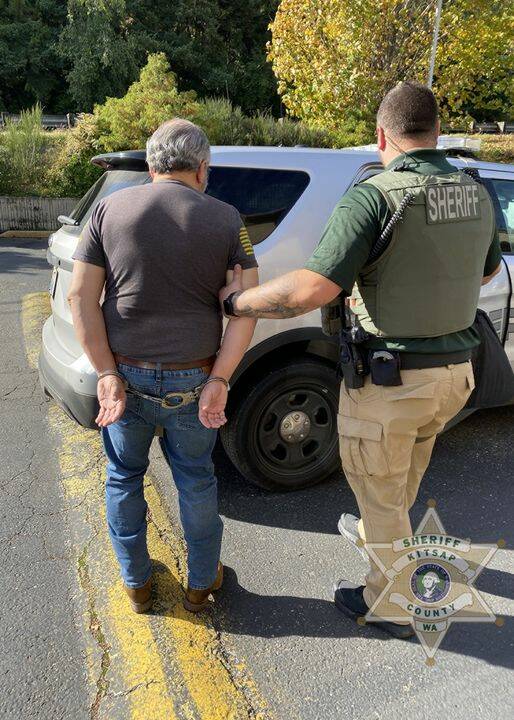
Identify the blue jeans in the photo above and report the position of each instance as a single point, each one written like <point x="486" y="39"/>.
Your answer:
<point x="187" y="446"/>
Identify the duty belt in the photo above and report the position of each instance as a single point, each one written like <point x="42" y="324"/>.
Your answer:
<point x="420" y="361"/>
<point x="170" y="399"/>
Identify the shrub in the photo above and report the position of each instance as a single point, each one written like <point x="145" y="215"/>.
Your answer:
<point x="497" y="148"/>
<point x="128" y="121"/>
<point x="223" y="123"/>
<point x="265" y="130"/>
<point x="23" y="153"/>
<point x="71" y="173"/>
<point x="5" y="180"/>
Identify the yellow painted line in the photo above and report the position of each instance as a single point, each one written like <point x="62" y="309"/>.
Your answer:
<point x="141" y="665"/>
<point x="216" y="690"/>
<point x="26" y="233"/>
<point x="198" y="649"/>
<point x="142" y="661"/>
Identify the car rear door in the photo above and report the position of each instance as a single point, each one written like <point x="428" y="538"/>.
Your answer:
<point x="498" y="292"/>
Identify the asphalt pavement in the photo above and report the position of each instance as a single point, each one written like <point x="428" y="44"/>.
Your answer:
<point x="42" y="668"/>
<point x="309" y="661"/>
<point x="276" y="646"/>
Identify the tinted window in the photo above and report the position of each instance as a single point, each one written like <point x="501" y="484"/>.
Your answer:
<point x="110" y="181"/>
<point x="263" y="197"/>
<point x="502" y="194"/>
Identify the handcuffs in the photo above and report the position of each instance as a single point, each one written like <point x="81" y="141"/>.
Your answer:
<point x="170" y="399"/>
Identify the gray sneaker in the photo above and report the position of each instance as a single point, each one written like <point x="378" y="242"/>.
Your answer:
<point x="348" y="527"/>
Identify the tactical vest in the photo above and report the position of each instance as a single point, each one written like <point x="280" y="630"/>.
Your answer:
<point x="427" y="281"/>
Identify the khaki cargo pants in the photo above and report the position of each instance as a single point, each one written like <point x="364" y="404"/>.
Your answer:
<point x="386" y="437"/>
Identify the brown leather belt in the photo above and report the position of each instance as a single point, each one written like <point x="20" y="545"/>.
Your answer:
<point x="205" y="364"/>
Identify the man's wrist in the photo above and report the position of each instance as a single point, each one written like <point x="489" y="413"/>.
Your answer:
<point x="230" y="304"/>
<point x="111" y="373"/>
<point x="236" y="297"/>
<point x="218" y="378"/>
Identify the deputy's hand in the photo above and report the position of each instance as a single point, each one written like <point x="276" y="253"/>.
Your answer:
<point x="112" y="398"/>
<point x="235" y="286"/>
<point x="212" y="403"/>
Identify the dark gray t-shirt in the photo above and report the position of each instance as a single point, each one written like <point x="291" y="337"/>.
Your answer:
<point x="166" y="249"/>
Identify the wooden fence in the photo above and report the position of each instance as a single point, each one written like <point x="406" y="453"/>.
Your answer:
<point x="33" y="213"/>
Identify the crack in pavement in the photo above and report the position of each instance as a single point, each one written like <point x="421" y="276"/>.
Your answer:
<point x="124" y="693"/>
<point x="9" y="392"/>
<point x="95" y="628"/>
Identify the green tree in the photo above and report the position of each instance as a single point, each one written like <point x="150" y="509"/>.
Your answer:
<point x="32" y="70"/>
<point x="216" y="47"/>
<point x="334" y="59"/>
<point x="102" y="51"/>
<point x="475" y="60"/>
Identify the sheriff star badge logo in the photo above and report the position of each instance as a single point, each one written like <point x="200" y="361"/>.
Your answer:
<point x="431" y="578"/>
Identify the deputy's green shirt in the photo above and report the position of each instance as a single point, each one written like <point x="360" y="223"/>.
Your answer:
<point x="354" y="226"/>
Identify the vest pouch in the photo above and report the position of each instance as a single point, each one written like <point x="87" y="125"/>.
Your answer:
<point x="385" y="368"/>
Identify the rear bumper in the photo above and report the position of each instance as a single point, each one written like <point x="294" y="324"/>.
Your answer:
<point x="57" y="378"/>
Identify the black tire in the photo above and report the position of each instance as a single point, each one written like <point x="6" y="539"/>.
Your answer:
<point x="255" y="437"/>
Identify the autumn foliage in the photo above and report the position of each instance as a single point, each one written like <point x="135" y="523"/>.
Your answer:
<point x="335" y="59"/>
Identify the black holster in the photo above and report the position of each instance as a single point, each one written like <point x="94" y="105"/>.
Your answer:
<point x="353" y="358"/>
<point x="356" y="361"/>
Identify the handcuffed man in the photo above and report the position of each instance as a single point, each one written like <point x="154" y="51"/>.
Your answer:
<point x="161" y="251"/>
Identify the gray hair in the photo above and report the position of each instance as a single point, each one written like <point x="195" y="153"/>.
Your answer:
<point x="177" y="145"/>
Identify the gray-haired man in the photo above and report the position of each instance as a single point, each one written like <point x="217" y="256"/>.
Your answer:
<point x="161" y="252"/>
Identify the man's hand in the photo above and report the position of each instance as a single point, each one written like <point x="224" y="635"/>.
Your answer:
<point x="212" y="405"/>
<point x="235" y="285"/>
<point x="487" y="278"/>
<point x="112" y="399"/>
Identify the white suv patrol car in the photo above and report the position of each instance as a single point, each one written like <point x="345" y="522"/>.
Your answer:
<point x="282" y="430"/>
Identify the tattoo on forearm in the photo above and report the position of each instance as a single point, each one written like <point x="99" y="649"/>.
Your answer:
<point x="272" y="300"/>
<point x="271" y="311"/>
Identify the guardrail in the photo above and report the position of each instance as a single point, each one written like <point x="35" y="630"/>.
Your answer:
<point x="49" y="122"/>
<point x="493" y="128"/>
<point x="503" y="127"/>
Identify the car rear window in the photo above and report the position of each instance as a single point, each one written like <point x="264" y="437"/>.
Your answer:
<point x="262" y="196"/>
<point x="108" y="183"/>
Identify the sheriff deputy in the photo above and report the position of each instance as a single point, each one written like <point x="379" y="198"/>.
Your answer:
<point x="415" y="306"/>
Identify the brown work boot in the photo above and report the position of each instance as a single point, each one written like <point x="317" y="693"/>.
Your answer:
<point x="140" y="598"/>
<point x="196" y="600"/>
